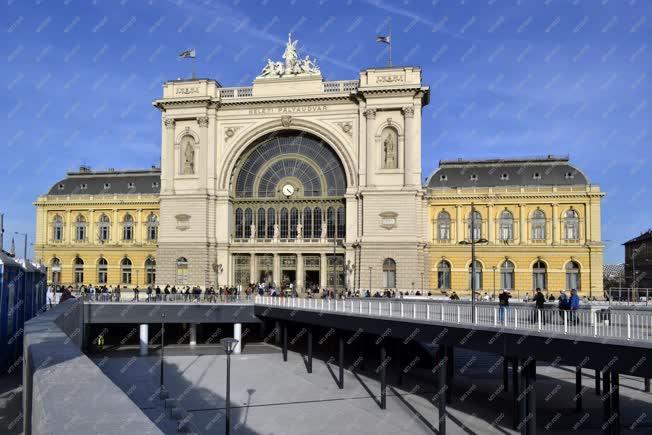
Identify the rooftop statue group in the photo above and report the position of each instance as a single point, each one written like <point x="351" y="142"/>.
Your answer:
<point x="293" y="65"/>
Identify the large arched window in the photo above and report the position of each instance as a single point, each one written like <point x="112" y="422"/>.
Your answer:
<point x="443" y="226"/>
<point x="284" y="223"/>
<point x="539" y="276"/>
<point x="125" y="271"/>
<point x="506" y="226"/>
<point x="260" y="223"/>
<point x="128" y="228"/>
<point x="238" y="224"/>
<point x="307" y="223"/>
<point x="538" y="225"/>
<point x="102" y="271"/>
<point x="57" y="228"/>
<point x="150" y="271"/>
<point x="475" y="233"/>
<point x="182" y="270"/>
<point x="103" y="228"/>
<point x="318" y="221"/>
<point x="477" y="281"/>
<point x="330" y="222"/>
<point x="444" y="275"/>
<point x="271" y="221"/>
<point x="152" y="227"/>
<point x="571" y="225"/>
<point x="248" y="221"/>
<point x="573" y="276"/>
<point x="78" y="272"/>
<point x="55" y="266"/>
<point x="80" y="228"/>
<point x="507" y="275"/>
<point x="341" y="223"/>
<point x="294" y="221"/>
<point x="389" y="273"/>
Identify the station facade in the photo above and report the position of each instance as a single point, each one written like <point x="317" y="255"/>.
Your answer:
<point x="298" y="180"/>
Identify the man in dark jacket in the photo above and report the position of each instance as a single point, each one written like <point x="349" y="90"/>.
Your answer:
<point x="503" y="304"/>
<point x="66" y="294"/>
<point x="539" y="301"/>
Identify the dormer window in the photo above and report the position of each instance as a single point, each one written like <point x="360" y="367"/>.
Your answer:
<point x="107" y="186"/>
<point x="536" y="176"/>
<point x="60" y="186"/>
<point x="504" y="176"/>
<point x="131" y="185"/>
<point x="443" y="177"/>
<point x="569" y="175"/>
<point x="473" y="177"/>
<point x="155" y="184"/>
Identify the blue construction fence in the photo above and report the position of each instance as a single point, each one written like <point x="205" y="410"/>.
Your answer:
<point x="23" y="288"/>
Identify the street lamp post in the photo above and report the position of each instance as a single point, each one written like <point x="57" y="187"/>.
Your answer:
<point x="163" y="394"/>
<point x="370" y="269"/>
<point x="494" y="269"/>
<point x="473" y="242"/>
<point x="229" y="346"/>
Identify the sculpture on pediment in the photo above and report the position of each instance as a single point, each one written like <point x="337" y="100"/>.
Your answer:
<point x="188" y="156"/>
<point x="292" y="65"/>
<point x="390" y="149"/>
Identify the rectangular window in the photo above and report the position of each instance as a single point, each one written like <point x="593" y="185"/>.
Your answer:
<point x="126" y="276"/>
<point x="102" y="276"/>
<point x="152" y="233"/>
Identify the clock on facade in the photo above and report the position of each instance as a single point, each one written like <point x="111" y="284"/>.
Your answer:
<point x="288" y="190"/>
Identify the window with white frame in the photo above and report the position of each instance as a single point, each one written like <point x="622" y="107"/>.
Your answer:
<point x="538" y="225"/>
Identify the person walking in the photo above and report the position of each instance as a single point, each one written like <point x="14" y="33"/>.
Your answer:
<point x="564" y="304"/>
<point x="539" y="301"/>
<point x="574" y="305"/>
<point x="503" y="304"/>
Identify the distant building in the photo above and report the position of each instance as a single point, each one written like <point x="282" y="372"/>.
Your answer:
<point x="638" y="261"/>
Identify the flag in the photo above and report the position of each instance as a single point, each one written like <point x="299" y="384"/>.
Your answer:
<point x="188" y="53"/>
<point x="384" y="39"/>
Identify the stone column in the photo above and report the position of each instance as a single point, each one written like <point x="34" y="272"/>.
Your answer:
<point x="300" y="273"/>
<point x="522" y="226"/>
<point x="277" y="269"/>
<point x="193" y="334"/>
<point x="92" y="236"/>
<point x="412" y="151"/>
<point x="252" y="269"/>
<point x="491" y="230"/>
<point x="555" y="224"/>
<point x="167" y="156"/>
<point x="459" y="224"/>
<point x="144" y="338"/>
<point x="370" y="114"/>
<point x="323" y="271"/>
<point x="115" y="235"/>
<point x="202" y="158"/>
<point x="237" y="334"/>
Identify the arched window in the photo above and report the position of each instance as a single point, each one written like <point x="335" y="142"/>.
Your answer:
<point x="128" y="228"/>
<point x="443" y="226"/>
<point x="318" y="219"/>
<point x="260" y="223"/>
<point x="389" y="273"/>
<point x="152" y="227"/>
<point x="238" y="224"/>
<point x="475" y="233"/>
<point x="507" y="275"/>
<point x="248" y="221"/>
<point x="477" y="280"/>
<point x="284" y="223"/>
<point x="571" y="225"/>
<point x="538" y="225"/>
<point x="150" y="271"/>
<point x="330" y="223"/>
<point x="444" y="275"/>
<point x="103" y="228"/>
<point x="55" y="266"/>
<point x="80" y="228"/>
<point x="341" y="223"/>
<point x="539" y="276"/>
<point x="506" y="224"/>
<point x="307" y="223"/>
<point x="271" y="221"/>
<point x="79" y="271"/>
<point x="125" y="271"/>
<point x="57" y="228"/>
<point x="102" y="271"/>
<point x="573" y="276"/>
<point x="294" y="221"/>
<point x="182" y="270"/>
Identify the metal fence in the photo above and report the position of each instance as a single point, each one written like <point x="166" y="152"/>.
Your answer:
<point x="126" y="297"/>
<point x="600" y="323"/>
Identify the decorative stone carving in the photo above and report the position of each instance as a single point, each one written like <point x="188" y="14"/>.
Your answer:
<point x="390" y="148"/>
<point x="408" y="111"/>
<point x="346" y="127"/>
<point x="286" y="120"/>
<point x="324" y="230"/>
<point x="299" y="231"/>
<point x="388" y="219"/>
<point x="230" y="132"/>
<point x="277" y="231"/>
<point x="188" y="156"/>
<point x="183" y="221"/>
<point x="293" y="65"/>
<point x="252" y="229"/>
<point x="202" y="121"/>
<point x="169" y="122"/>
<point x="370" y="113"/>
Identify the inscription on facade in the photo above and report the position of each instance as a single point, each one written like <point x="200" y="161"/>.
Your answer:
<point x="390" y="79"/>
<point x="187" y="91"/>
<point x="287" y="109"/>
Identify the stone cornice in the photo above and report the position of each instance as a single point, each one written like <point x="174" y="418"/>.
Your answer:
<point x="551" y="196"/>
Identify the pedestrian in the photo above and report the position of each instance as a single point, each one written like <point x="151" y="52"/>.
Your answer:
<point x="503" y="304"/>
<point x="564" y="303"/>
<point x="539" y="301"/>
<point x="574" y="305"/>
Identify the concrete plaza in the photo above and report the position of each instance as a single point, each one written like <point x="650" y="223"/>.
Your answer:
<point x="269" y="396"/>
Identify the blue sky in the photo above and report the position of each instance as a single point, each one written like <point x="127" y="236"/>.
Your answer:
<point x="508" y="78"/>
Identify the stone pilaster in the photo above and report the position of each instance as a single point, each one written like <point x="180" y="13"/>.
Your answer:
<point x="370" y="114"/>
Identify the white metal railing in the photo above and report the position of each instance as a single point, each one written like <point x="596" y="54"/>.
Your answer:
<point x="246" y="91"/>
<point x="340" y="86"/>
<point x="607" y="324"/>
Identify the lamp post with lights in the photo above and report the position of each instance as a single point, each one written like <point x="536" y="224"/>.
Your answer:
<point x="229" y="346"/>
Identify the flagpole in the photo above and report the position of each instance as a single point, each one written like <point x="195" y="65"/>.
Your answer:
<point x="390" y="42"/>
<point x="194" y="66"/>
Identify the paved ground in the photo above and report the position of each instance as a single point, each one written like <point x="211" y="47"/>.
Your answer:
<point x="272" y="397"/>
<point x="11" y="406"/>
